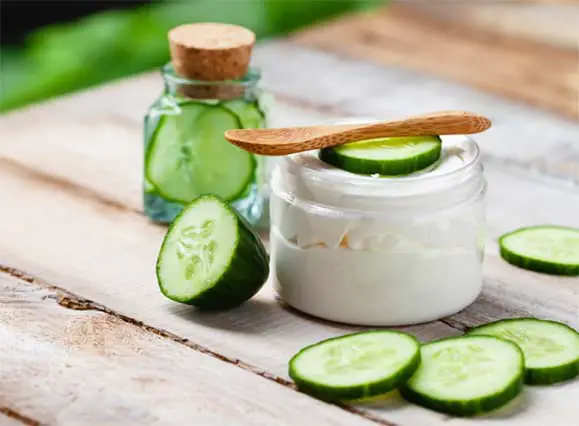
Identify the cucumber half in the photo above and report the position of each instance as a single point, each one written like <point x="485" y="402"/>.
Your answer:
<point x="385" y="156"/>
<point x="210" y="257"/>
<point x="188" y="155"/>
<point x="466" y="376"/>
<point x="551" y="348"/>
<point x="549" y="249"/>
<point x="354" y="366"/>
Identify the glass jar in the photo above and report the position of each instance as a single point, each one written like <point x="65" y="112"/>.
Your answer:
<point x="379" y="251"/>
<point x="186" y="154"/>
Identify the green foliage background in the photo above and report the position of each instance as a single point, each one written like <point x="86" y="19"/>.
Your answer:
<point x="63" y="58"/>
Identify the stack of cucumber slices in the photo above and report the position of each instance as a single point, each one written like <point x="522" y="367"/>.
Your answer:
<point x="468" y="375"/>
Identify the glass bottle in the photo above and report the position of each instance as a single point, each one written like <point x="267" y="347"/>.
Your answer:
<point x="186" y="154"/>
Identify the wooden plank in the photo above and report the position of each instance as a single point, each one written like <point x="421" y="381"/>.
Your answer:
<point x="400" y="35"/>
<point x="73" y="367"/>
<point x="549" y="23"/>
<point x="107" y="254"/>
<point x="510" y="291"/>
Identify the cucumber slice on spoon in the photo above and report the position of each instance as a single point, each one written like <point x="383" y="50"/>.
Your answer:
<point x="210" y="257"/>
<point x="354" y="366"/>
<point x="549" y="249"/>
<point x="551" y="348"/>
<point x="466" y="376"/>
<point x="385" y="156"/>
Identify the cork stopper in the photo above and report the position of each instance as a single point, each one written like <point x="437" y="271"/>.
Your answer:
<point x="211" y="51"/>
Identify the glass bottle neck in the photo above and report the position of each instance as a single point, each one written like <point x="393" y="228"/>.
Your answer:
<point x="178" y="86"/>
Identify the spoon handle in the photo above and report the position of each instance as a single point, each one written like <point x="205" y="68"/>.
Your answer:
<point x="440" y="123"/>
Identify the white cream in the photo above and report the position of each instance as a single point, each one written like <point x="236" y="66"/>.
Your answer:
<point x="379" y="251"/>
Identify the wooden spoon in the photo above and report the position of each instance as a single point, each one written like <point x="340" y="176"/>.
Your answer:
<point x="283" y="141"/>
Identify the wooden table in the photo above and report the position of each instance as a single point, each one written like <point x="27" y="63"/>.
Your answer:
<point x="87" y="339"/>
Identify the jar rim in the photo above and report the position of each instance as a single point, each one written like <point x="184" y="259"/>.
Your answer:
<point x="250" y="79"/>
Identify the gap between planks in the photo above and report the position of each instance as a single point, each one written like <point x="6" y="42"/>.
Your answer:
<point x="69" y="300"/>
<point x="14" y="418"/>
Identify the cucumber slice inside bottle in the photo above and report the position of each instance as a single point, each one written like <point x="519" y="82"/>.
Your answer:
<point x="466" y="376"/>
<point x="247" y="113"/>
<point x="210" y="257"/>
<point x="354" y="366"/>
<point x="551" y="348"/>
<point x="188" y="155"/>
<point x="385" y="156"/>
<point x="549" y="249"/>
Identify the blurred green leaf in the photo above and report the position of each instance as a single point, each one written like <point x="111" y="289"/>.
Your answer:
<point x="112" y="44"/>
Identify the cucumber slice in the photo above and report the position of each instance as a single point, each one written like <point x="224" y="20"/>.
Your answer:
<point x="551" y="349"/>
<point x="356" y="365"/>
<point x="210" y="257"/>
<point x="248" y="114"/>
<point x="549" y="249"/>
<point x="466" y="376"/>
<point x="189" y="156"/>
<point x="385" y="156"/>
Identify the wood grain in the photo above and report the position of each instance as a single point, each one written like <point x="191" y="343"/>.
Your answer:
<point x="7" y="420"/>
<point x="551" y="22"/>
<point x="403" y="35"/>
<point x="80" y="367"/>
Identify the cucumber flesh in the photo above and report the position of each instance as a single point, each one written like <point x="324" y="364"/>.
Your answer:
<point x="357" y="365"/>
<point x="549" y="249"/>
<point x="551" y="348"/>
<point x="248" y="114"/>
<point x="385" y="156"/>
<point x="210" y="257"/>
<point x="188" y="155"/>
<point x="466" y="376"/>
